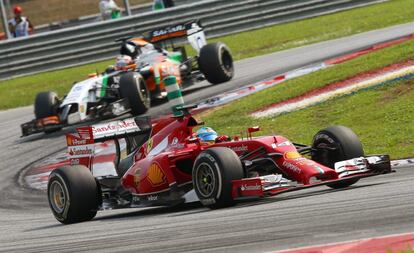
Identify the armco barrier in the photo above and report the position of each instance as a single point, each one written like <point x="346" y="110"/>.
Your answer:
<point x="135" y="10"/>
<point x="94" y="42"/>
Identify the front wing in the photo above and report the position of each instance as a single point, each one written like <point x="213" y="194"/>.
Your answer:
<point x="54" y="123"/>
<point x="48" y="124"/>
<point x="274" y="184"/>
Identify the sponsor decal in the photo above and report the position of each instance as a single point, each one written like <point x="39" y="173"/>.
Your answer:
<point x="304" y="161"/>
<point x="160" y="147"/>
<point x="168" y="70"/>
<point x="246" y="187"/>
<point x="194" y="28"/>
<point x="178" y="30"/>
<point x="283" y="144"/>
<point x="291" y="155"/>
<point x="352" y="168"/>
<point x="174" y="141"/>
<point x="81" y="160"/>
<point x="118" y="108"/>
<point x="319" y="169"/>
<point x="149" y="146"/>
<point x="85" y="132"/>
<point x="208" y="156"/>
<point x="152" y="198"/>
<point x="72" y="141"/>
<point x="325" y="137"/>
<point x="209" y="201"/>
<point x="85" y="150"/>
<point x="291" y="167"/>
<point x="355" y="164"/>
<point x="241" y="148"/>
<point x="77" y="87"/>
<point x="175" y="144"/>
<point x="155" y="175"/>
<point x="137" y="177"/>
<point x="114" y="128"/>
<point x="74" y="161"/>
<point x="135" y="198"/>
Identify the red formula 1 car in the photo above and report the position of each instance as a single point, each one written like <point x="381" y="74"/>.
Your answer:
<point x="168" y="165"/>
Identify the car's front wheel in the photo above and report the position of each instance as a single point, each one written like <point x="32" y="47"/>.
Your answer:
<point x="335" y="144"/>
<point x="133" y="87"/>
<point x="73" y="194"/>
<point x="47" y="105"/>
<point x="216" y="63"/>
<point x="213" y="173"/>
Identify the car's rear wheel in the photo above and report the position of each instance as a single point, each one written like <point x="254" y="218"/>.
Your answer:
<point x="216" y="63"/>
<point x="334" y="144"/>
<point x="213" y="173"/>
<point x="73" y="194"/>
<point x="134" y="89"/>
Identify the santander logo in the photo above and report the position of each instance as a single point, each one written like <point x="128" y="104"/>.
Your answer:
<point x="113" y="127"/>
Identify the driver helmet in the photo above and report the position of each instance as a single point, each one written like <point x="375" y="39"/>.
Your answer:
<point x="122" y="61"/>
<point x="133" y="47"/>
<point x="206" y="135"/>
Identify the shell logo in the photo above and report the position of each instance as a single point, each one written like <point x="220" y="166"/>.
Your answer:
<point x="155" y="175"/>
<point x="292" y="155"/>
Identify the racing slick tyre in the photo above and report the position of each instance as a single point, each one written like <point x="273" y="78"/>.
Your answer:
<point x="73" y="194"/>
<point x="334" y="144"/>
<point x="46" y="105"/>
<point x="216" y="63"/>
<point x="213" y="172"/>
<point x="132" y="87"/>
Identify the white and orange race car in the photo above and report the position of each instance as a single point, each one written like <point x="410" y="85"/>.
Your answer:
<point x="136" y="78"/>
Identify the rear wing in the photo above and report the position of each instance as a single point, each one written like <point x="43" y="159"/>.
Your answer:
<point x="175" y="34"/>
<point x="81" y="145"/>
<point x="110" y="130"/>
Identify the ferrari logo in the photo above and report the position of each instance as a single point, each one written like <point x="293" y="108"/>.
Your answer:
<point x="149" y="146"/>
<point x="155" y="175"/>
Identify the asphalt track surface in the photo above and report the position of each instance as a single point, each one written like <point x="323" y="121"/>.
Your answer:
<point x="375" y="206"/>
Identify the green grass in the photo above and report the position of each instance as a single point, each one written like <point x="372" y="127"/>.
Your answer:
<point x="409" y="250"/>
<point x="308" y="31"/>
<point x="21" y="91"/>
<point x="382" y="117"/>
